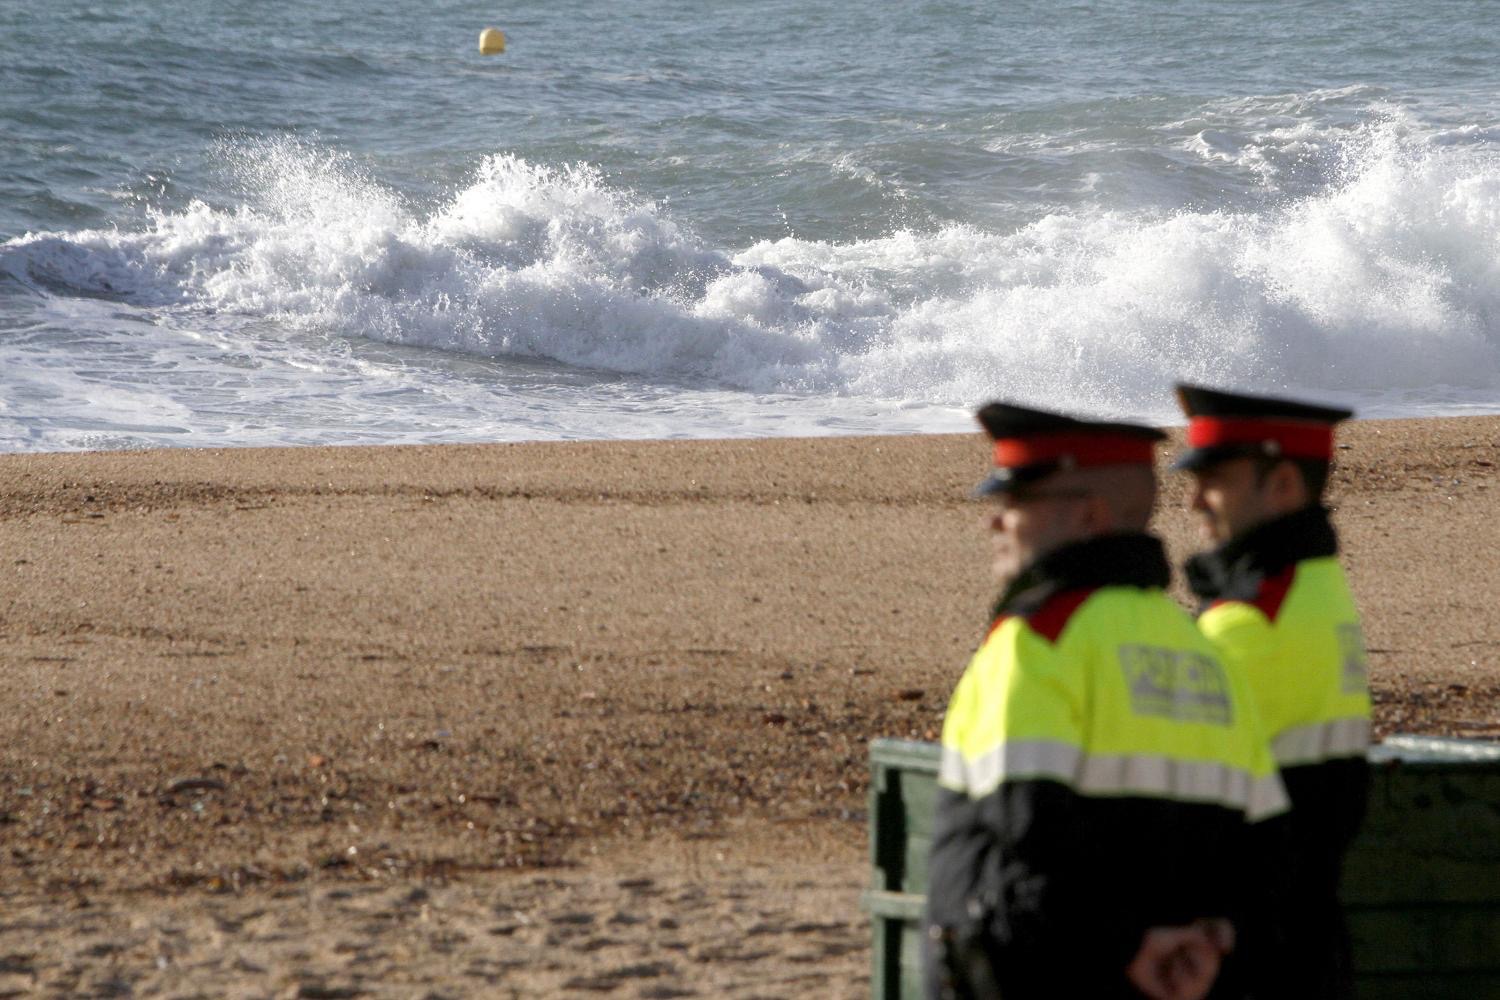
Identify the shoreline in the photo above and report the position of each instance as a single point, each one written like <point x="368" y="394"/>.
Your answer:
<point x="1174" y="427"/>
<point x="247" y="675"/>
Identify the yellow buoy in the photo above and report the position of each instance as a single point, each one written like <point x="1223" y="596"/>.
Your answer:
<point x="491" y="42"/>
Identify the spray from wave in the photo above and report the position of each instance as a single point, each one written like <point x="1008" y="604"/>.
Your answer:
<point x="1384" y="282"/>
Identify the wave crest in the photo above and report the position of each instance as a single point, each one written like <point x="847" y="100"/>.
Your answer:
<point x="1383" y="281"/>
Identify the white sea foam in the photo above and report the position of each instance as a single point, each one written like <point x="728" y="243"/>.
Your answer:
<point x="1380" y="287"/>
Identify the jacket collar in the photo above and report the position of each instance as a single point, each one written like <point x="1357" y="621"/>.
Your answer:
<point x="1262" y="551"/>
<point x="1133" y="559"/>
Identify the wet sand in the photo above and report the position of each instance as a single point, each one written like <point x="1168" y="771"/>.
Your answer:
<point x="553" y="719"/>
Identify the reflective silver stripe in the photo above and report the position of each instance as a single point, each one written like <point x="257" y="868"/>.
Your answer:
<point x="1321" y="741"/>
<point x="951" y="771"/>
<point x="1134" y="774"/>
<point x="1009" y="762"/>
<point x="1184" y="780"/>
<point x="1267" y="798"/>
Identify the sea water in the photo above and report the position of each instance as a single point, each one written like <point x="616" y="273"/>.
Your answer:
<point x="292" y="223"/>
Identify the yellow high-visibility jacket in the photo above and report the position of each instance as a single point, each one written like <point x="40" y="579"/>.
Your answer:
<point x="1102" y="773"/>
<point x="1277" y="607"/>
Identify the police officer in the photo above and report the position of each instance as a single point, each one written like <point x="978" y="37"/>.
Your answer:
<point x="1276" y="604"/>
<point x="1103" y="776"/>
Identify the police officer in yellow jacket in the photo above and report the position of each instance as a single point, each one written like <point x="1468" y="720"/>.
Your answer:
<point x="1105" y="783"/>
<point x="1276" y="605"/>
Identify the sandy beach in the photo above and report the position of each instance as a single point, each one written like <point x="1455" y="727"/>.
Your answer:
<point x="551" y="719"/>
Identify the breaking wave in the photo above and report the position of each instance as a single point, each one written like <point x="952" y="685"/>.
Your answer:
<point x="1384" y="281"/>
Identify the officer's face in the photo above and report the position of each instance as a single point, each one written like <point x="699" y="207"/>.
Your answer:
<point x="1232" y="497"/>
<point x="1031" y="522"/>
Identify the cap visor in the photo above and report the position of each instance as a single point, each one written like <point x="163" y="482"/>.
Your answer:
<point x="1008" y="479"/>
<point x="994" y="486"/>
<point x="1190" y="461"/>
<point x="1201" y="458"/>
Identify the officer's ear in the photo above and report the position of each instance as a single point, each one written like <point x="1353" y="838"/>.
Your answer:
<point x="1284" y="487"/>
<point x="1101" y="515"/>
<point x="1128" y="493"/>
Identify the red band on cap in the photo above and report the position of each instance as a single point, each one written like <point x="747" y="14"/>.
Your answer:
<point x="1294" y="438"/>
<point x="1080" y="449"/>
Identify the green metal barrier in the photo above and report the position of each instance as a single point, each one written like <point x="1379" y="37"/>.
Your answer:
<point x="1421" y="883"/>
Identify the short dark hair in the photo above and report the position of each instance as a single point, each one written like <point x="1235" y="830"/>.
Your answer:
<point x="1314" y="472"/>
